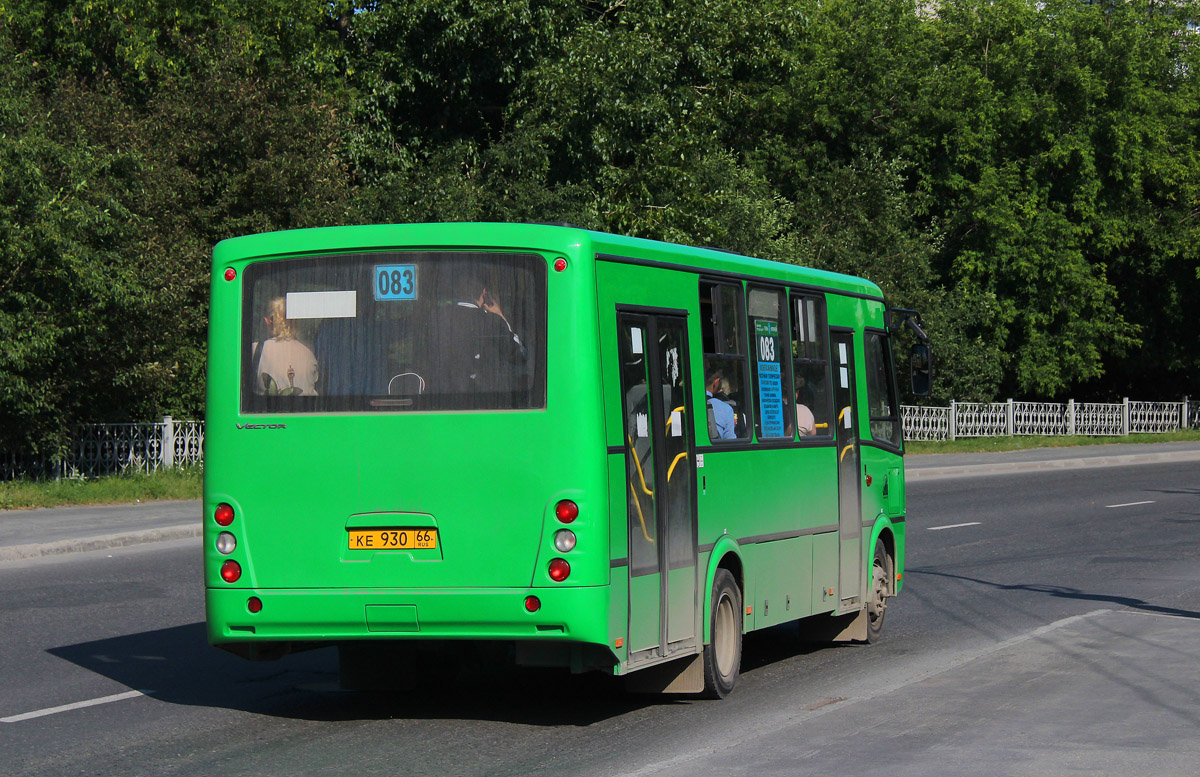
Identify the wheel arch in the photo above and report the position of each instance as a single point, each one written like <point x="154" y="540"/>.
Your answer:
<point x="726" y="554"/>
<point x="885" y="532"/>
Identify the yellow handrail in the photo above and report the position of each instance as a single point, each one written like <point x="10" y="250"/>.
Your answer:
<point x="638" y="461"/>
<point x="673" y="463"/>
<point x="641" y="517"/>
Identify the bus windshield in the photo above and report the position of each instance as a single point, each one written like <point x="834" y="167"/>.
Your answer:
<point x="395" y="331"/>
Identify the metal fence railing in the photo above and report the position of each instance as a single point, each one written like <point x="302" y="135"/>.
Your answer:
<point x="1011" y="419"/>
<point x="106" y="449"/>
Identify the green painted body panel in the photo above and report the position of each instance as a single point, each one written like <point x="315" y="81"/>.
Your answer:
<point x="825" y="572"/>
<point x="782" y="580"/>
<point x="488" y="480"/>
<point x="774" y="491"/>
<point x="460" y="613"/>
<point x="771" y="492"/>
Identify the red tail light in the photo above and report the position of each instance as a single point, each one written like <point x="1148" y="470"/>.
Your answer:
<point x="231" y="571"/>
<point x="532" y="603"/>
<point x="254" y="604"/>
<point x="566" y="511"/>
<point x="559" y="570"/>
<point x="223" y="514"/>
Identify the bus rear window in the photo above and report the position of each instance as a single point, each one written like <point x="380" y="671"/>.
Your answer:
<point x="395" y="331"/>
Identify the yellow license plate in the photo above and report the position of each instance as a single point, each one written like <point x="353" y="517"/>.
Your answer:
<point x="393" y="539"/>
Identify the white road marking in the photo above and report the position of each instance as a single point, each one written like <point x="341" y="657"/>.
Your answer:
<point x="68" y="707"/>
<point x="1132" y="504"/>
<point x="786" y="717"/>
<point x="954" y="526"/>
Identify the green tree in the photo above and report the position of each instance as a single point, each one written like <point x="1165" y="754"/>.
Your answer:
<point x="113" y="203"/>
<point x="1054" y="141"/>
<point x="65" y="289"/>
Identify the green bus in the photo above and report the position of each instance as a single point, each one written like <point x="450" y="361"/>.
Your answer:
<point x="600" y="452"/>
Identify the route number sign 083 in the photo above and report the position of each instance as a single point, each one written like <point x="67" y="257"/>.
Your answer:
<point x="395" y="281"/>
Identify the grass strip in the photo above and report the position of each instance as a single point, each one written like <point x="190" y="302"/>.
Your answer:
<point x="185" y="483"/>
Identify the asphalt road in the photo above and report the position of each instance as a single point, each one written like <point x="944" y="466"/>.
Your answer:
<point x="1050" y="628"/>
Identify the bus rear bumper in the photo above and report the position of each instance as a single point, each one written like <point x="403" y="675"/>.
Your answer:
<point x="337" y="615"/>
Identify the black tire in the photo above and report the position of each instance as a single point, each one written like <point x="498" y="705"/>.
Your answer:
<point x="879" y="588"/>
<point x="723" y="654"/>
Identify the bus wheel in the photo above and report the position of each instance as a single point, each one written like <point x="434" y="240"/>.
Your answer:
<point x="878" y="595"/>
<point x="723" y="656"/>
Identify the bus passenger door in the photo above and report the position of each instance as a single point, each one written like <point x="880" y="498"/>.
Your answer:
<point x="849" y="494"/>
<point x="660" y="487"/>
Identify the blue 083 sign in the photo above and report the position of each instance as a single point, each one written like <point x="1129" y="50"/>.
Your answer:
<point x="395" y="281"/>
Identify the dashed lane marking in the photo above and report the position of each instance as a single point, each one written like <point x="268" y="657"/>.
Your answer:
<point x="75" y="706"/>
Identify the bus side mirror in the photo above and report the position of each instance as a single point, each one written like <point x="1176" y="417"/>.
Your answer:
<point x="921" y="370"/>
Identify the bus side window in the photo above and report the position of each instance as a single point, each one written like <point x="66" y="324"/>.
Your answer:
<point x="810" y="366"/>
<point x="726" y="381"/>
<point x="768" y="330"/>
<point x="881" y="389"/>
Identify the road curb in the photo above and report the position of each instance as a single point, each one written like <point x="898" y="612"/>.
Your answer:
<point x="1010" y="468"/>
<point x="102" y="542"/>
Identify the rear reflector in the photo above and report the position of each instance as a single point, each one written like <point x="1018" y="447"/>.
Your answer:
<point x="532" y="603"/>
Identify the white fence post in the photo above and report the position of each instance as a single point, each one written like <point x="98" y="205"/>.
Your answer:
<point x="167" y="454"/>
<point x="1184" y="418"/>
<point x="952" y="422"/>
<point x="1010" y="419"/>
<point x="1070" y="418"/>
<point x="1125" y="418"/>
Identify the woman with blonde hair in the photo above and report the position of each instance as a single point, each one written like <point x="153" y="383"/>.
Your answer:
<point x="285" y="366"/>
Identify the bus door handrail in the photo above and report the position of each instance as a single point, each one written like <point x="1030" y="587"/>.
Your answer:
<point x="673" y="463"/>
<point x="636" y="499"/>
<point x="638" y="462"/>
<point x="671" y="469"/>
<point x="641" y="517"/>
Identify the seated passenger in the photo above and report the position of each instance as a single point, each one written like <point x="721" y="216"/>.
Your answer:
<point x="284" y="366"/>
<point x="475" y="344"/>
<point x="724" y="419"/>
<point x="806" y="422"/>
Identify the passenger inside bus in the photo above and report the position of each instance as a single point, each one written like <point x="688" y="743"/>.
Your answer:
<point x="475" y="344"/>
<point x="722" y="418"/>
<point x="284" y="366"/>
<point x="806" y="399"/>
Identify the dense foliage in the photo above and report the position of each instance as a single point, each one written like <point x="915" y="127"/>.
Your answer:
<point x="1025" y="173"/>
